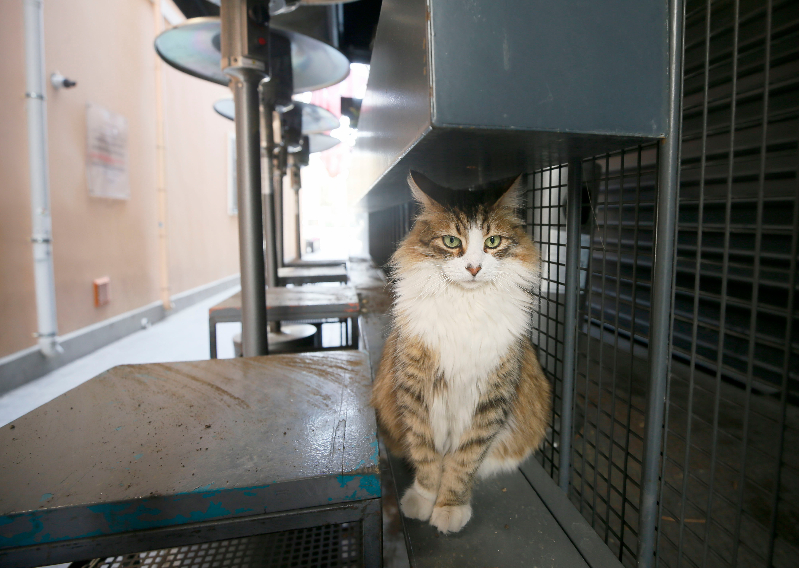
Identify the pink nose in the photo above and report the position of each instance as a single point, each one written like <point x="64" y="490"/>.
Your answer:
<point x="473" y="270"/>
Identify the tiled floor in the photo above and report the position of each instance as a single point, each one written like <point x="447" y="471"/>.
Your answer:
<point x="180" y="337"/>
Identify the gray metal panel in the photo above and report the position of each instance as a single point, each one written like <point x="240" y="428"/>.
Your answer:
<point x="147" y="446"/>
<point x="565" y="66"/>
<point x="513" y="86"/>
<point x="395" y="111"/>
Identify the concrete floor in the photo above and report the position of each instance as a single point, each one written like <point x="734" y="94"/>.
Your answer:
<point x="180" y="337"/>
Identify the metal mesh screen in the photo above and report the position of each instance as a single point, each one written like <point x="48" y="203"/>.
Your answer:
<point x="728" y="495"/>
<point x="546" y="223"/>
<point x="328" y="546"/>
<point x="619" y="191"/>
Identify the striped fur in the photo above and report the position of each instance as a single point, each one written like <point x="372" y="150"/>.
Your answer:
<point x="459" y="391"/>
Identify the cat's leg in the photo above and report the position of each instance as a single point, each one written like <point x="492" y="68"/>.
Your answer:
<point x="527" y="421"/>
<point x="414" y="370"/>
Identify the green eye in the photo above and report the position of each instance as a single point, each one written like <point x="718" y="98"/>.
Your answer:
<point x="451" y="242"/>
<point x="493" y="242"/>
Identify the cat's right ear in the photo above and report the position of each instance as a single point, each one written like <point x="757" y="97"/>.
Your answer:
<point x="421" y="187"/>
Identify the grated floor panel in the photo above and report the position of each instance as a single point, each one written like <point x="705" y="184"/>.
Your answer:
<point x="328" y="546"/>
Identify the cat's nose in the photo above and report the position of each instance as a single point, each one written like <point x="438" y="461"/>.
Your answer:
<point x="473" y="270"/>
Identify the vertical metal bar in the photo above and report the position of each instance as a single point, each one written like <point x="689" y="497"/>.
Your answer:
<point x="251" y="250"/>
<point x="268" y="165"/>
<point x="614" y="376"/>
<point x="750" y="374"/>
<point x="572" y="296"/>
<point x="601" y="344"/>
<point x="660" y="310"/>
<point x="588" y="309"/>
<point x="725" y="263"/>
<point x="786" y="369"/>
<point x="633" y="316"/>
<point x="277" y="186"/>
<point x="697" y="272"/>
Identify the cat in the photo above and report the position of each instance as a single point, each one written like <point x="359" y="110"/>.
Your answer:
<point x="459" y="391"/>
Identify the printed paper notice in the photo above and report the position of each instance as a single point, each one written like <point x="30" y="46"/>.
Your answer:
<point x="107" y="153"/>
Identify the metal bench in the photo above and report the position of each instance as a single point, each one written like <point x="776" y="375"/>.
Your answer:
<point x="153" y="456"/>
<point x="302" y="303"/>
<point x="311" y="274"/>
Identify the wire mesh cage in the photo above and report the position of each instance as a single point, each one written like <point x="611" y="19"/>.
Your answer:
<point x="724" y="491"/>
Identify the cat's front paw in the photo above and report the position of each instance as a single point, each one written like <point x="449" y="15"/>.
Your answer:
<point x="417" y="504"/>
<point x="452" y="518"/>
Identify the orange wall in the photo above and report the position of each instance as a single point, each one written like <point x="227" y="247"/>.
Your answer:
<point x="107" y="47"/>
<point x="203" y="238"/>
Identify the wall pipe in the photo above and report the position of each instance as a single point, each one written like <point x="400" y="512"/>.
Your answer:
<point x="42" y="226"/>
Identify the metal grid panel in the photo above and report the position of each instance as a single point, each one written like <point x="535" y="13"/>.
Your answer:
<point x="728" y="494"/>
<point x="546" y="223"/>
<point x="617" y="215"/>
<point x="328" y="546"/>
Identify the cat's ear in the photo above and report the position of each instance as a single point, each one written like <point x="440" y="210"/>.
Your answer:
<point x="512" y="198"/>
<point x="422" y="188"/>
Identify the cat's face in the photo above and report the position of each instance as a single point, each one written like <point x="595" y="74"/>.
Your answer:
<point x="472" y="238"/>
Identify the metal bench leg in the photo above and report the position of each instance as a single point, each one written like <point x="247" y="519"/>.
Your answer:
<point x="372" y="534"/>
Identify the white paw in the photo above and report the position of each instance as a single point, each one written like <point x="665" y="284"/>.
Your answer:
<point x="451" y="519"/>
<point x="414" y="505"/>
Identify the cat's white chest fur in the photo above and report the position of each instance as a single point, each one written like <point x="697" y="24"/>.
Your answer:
<point x="471" y="331"/>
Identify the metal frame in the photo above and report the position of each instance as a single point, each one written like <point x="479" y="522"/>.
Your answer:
<point x="367" y="511"/>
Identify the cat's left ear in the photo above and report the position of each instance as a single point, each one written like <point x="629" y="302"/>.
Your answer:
<point x="512" y="198"/>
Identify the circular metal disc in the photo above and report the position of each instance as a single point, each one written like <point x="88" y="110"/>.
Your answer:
<point x="314" y="118"/>
<point x="321" y="142"/>
<point x="193" y="47"/>
<point x="226" y="108"/>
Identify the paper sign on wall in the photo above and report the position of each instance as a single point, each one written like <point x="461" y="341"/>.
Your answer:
<point x="107" y="153"/>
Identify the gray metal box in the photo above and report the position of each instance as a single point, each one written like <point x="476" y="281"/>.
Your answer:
<point x="473" y="90"/>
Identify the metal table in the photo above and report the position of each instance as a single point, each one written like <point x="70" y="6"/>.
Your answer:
<point x="311" y="274"/>
<point x="293" y="304"/>
<point x="160" y="455"/>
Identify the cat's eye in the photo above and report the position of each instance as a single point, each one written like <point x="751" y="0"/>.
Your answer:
<point x="451" y="242"/>
<point x="493" y="241"/>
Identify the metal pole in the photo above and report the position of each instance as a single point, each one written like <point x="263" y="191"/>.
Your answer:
<point x="660" y="308"/>
<point x="279" y="174"/>
<point x="251" y="249"/>
<point x="572" y="293"/>
<point x="268" y="148"/>
<point x="296" y="184"/>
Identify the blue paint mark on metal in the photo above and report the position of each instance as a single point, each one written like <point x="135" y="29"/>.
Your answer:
<point x="118" y="428"/>
<point x="137" y="456"/>
<point x="371" y="484"/>
<point x="45" y="497"/>
<point x="242" y="510"/>
<point x="352" y="497"/>
<point x="376" y="450"/>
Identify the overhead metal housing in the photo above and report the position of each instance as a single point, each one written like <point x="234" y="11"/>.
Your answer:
<point x="473" y="91"/>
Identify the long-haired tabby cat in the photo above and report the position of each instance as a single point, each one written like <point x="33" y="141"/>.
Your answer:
<point x="459" y="391"/>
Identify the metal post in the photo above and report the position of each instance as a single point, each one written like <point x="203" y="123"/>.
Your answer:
<point x="572" y="294"/>
<point x="660" y="307"/>
<point x="296" y="184"/>
<point x="279" y="173"/>
<point x="268" y="147"/>
<point x="251" y="250"/>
